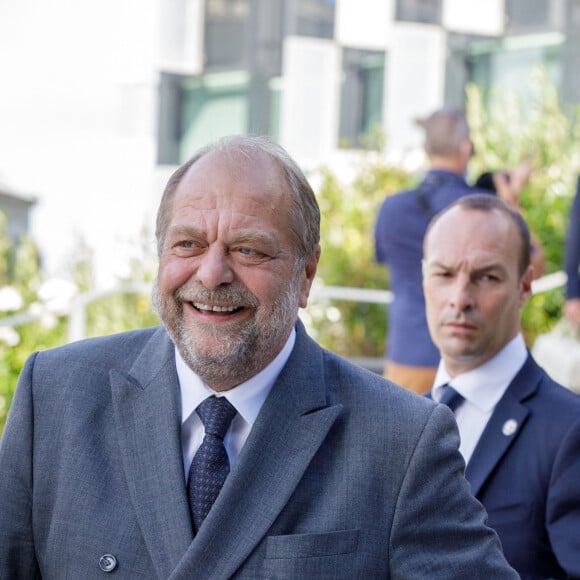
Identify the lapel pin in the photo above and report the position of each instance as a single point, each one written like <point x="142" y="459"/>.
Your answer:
<point x="509" y="427"/>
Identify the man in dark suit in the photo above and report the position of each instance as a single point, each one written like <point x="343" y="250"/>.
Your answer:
<point x="572" y="261"/>
<point x="520" y="431"/>
<point x="228" y="444"/>
<point x="402" y="220"/>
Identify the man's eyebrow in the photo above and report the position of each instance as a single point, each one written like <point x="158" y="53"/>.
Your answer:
<point x="185" y="230"/>
<point x="253" y="236"/>
<point x="489" y="268"/>
<point x="496" y="266"/>
<point x="240" y="237"/>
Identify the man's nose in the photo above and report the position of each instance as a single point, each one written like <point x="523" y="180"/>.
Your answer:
<point x="461" y="295"/>
<point x="214" y="268"/>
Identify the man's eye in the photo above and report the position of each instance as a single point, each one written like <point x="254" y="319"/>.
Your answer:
<point x="252" y="254"/>
<point x="186" y="246"/>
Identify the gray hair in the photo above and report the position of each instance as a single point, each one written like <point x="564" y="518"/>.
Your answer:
<point x="304" y="212"/>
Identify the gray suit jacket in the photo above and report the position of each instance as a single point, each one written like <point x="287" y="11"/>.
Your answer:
<point x="344" y="475"/>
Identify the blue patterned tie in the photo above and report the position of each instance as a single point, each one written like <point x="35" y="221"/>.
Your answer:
<point x="210" y="465"/>
<point x="451" y="397"/>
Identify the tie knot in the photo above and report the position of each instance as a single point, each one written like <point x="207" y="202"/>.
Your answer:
<point x="216" y="414"/>
<point x="450" y="397"/>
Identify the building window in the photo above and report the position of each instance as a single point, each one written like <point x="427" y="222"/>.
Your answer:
<point x="424" y="11"/>
<point x="361" y="104"/>
<point x="527" y="16"/>
<point x="197" y="110"/>
<point x="509" y="64"/>
<point x="226" y="29"/>
<point x="311" y="18"/>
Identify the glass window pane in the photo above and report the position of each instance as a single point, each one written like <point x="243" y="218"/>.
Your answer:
<point x="361" y="106"/>
<point x="426" y="11"/>
<point x="534" y="15"/>
<point x="311" y="18"/>
<point x="511" y="67"/>
<point x="226" y="24"/>
<point x="213" y="106"/>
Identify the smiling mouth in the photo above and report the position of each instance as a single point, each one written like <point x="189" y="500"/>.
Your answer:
<point x="216" y="309"/>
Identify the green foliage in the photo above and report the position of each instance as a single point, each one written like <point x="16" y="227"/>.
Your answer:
<point x="31" y="337"/>
<point x="20" y="273"/>
<point x="348" y="218"/>
<point x="119" y="312"/>
<point x="127" y="310"/>
<point x="20" y="279"/>
<point x="505" y="132"/>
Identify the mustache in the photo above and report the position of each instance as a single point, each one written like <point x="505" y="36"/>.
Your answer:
<point x="235" y="296"/>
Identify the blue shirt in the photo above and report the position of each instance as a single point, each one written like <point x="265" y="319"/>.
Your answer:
<point x="399" y="232"/>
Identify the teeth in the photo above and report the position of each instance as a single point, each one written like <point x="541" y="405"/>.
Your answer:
<point x="210" y="308"/>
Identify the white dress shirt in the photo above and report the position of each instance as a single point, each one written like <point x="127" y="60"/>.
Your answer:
<point x="247" y="398"/>
<point x="482" y="388"/>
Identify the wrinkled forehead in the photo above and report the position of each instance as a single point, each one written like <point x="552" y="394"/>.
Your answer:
<point x="464" y="232"/>
<point x="237" y="177"/>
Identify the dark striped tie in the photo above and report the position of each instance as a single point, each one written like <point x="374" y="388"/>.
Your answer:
<point x="210" y="465"/>
<point x="451" y="397"/>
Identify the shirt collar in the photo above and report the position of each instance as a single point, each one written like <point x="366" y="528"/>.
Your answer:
<point x="485" y="385"/>
<point x="444" y="176"/>
<point x="247" y="397"/>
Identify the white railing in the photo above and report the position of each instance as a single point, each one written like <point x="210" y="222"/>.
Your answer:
<point x="78" y="310"/>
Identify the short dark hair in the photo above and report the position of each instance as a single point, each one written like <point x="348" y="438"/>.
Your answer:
<point x="445" y="131"/>
<point x="304" y="213"/>
<point x="487" y="203"/>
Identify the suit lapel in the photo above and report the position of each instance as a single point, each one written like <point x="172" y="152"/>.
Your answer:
<point x="504" y="426"/>
<point x="289" y="430"/>
<point x="147" y="414"/>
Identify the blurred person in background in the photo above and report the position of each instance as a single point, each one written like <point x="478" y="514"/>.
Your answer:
<point x="401" y="223"/>
<point x="519" y="430"/>
<point x="227" y="443"/>
<point x="572" y="261"/>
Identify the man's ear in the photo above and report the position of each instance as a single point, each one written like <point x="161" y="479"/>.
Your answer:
<point x="466" y="149"/>
<point x="308" y="275"/>
<point x="526" y="285"/>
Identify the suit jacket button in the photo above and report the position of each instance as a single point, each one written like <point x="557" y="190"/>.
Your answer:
<point x="107" y="562"/>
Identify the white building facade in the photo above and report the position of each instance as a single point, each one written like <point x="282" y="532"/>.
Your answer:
<point x="101" y="100"/>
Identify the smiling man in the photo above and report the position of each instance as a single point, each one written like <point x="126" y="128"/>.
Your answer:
<point x="233" y="270"/>
<point x="227" y="443"/>
<point x="520" y="431"/>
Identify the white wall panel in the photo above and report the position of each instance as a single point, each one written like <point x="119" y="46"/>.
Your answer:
<point x="415" y="82"/>
<point x="310" y="98"/>
<point x="181" y="27"/>
<point x="474" y="16"/>
<point x="364" y="23"/>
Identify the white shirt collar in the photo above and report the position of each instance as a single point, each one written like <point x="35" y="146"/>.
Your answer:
<point x="247" y="398"/>
<point x="485" y="385"/>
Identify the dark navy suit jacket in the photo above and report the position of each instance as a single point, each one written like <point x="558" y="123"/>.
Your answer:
<point x="526" y="472"/>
